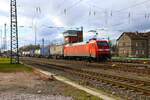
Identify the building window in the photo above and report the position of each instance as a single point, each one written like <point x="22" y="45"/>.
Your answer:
<point x="136" y="44"/>
<point x="143" y="52"/>
<point x="124" y="51"/>
<point x="136" y="52"/>
<point x="124" y="44"/>
<point x="143" y="44"/>
<point x="120" y="44"/>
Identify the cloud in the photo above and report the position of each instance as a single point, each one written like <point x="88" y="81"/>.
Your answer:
<point x="4" y="6"/>
<point x="112" y="15"/>
<point x="56" y="21"/>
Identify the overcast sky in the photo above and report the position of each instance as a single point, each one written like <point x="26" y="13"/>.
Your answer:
<point x="108" y="17"/>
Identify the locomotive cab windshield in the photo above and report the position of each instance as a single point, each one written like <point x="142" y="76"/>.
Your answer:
<point x="102" y="44"/>
<point x="103" y="50"/>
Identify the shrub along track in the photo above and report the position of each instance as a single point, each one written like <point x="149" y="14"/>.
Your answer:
<point x="125" y="87"/>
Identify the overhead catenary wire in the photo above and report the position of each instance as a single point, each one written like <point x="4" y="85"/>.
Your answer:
<point x="72" y="6"/>
<point x="110" y="13"/>
<point x="132" y="6"/>
<point x="122" y="9"/>
<point x="129" y="13"/>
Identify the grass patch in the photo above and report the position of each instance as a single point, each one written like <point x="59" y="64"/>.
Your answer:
<point x="6" y="67"/>
<point x="4" y="60"/>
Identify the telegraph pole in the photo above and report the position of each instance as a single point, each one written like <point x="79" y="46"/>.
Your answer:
<point x="5" y="38"/>
<point x="37" y="11"/>
<point x="35" y="30"/>
<point x="42" y="46"/>
<point x="43" y="42"/>
<point x="14" y="34"/>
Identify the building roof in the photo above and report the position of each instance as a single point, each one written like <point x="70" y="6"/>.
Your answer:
<point x="136" y="35"/>
<point x="71" y="31"/>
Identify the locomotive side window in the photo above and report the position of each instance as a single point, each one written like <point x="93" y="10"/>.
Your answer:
<point x="102" y="44"/>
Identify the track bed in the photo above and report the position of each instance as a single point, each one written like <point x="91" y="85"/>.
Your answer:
<point x="110" y="80"/>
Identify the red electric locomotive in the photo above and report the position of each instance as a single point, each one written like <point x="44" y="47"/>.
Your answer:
<point x="93" y="50"/>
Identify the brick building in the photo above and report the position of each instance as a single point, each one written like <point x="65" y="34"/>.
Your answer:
<point x="73" y="36"/>
<point x="134" y="44"/>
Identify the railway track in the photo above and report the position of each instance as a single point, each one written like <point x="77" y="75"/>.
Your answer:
<point x="132" y="61"/>
<point x="122" y="86"/>
<point x="141" y="69"/>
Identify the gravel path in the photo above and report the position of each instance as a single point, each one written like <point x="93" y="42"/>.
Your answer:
<point x="21" y="96"/>
<point x="28" y="86"/>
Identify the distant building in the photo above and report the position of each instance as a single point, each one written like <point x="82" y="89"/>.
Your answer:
<point x="134" y="44"/>
<point x="73" y="36"/>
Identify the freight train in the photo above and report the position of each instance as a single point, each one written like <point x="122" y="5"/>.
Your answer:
<point x="93" y="50"/>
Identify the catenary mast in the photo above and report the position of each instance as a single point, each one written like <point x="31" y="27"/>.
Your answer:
<point x="14" y="33"/>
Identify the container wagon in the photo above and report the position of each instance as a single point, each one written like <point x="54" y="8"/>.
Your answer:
<point x="45" y="52"/>
<point x="37" y="53"/>
<point x="57" y="51"/>
<point x="32" y="53"/>
<point x="26" y="53"/>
